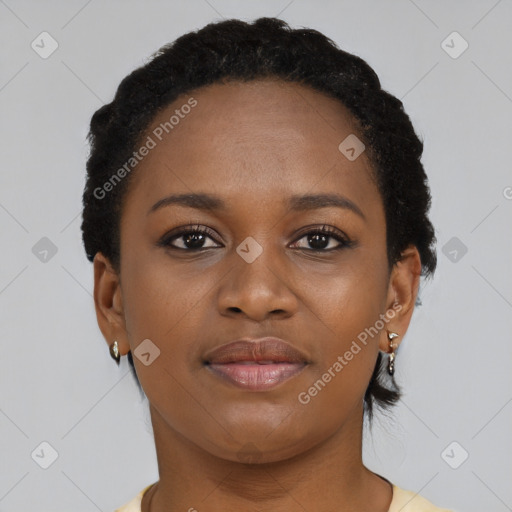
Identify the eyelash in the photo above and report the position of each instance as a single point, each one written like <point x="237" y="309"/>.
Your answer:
<point x="324" y="230"/>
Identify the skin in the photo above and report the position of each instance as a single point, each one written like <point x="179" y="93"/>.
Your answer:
<point x="220" y="447"/>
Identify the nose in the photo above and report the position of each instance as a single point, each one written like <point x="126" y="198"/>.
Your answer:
<point x="257" y="289"/>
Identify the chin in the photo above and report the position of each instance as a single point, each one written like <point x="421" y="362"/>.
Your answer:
<point x="267" y="447"/>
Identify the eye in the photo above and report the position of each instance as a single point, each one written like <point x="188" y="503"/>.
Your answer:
<point x="318" y="239"/>
<point x="192" y="238"/>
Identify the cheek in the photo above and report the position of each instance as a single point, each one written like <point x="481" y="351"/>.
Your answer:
<point x="348" y="323"/>
<point x="160" y="299"/>
<point x="163" y="307"/>
<point x="346" y="357"/>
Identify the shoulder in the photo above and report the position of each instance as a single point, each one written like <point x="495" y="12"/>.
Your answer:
<point x="408" y="501"/>
<point x="134" y="505"/>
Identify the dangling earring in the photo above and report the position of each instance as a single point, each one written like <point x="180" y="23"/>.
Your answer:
<point x="391" y="361"/>
<point x="114" y="352"/>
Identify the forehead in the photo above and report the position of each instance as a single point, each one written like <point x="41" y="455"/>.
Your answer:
<point x="257" y="139"/>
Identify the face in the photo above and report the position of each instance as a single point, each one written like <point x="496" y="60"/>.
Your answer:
<point x="260" y="266"/>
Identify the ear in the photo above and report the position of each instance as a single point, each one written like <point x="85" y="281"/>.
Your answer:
<point x="108" y="302"/>
<point x="401" y="299"/>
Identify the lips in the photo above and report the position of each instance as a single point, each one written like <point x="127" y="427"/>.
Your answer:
<point x="257" y="365"/>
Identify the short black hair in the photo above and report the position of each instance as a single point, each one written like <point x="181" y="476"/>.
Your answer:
<point x="244" y="51"/>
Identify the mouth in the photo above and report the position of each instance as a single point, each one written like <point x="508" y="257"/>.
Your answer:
<point x="256" y="365"/>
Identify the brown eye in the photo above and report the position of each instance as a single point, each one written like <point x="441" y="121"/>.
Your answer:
<point x="191" y="238"/>
<point x="318" y="240"/>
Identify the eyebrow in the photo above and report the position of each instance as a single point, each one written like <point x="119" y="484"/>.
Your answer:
<point x="295" y="203"/>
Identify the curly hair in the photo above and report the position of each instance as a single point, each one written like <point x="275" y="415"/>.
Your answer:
<point x="242" y="51"/>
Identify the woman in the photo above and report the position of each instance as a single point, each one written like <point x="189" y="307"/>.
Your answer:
<point x="256" y="212"/>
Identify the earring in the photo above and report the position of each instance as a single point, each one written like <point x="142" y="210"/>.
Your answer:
<point x="391" y="361"/>
<point x="114" y="352"/>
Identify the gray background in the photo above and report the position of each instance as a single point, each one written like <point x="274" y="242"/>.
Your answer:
<point x="58" y="383"/>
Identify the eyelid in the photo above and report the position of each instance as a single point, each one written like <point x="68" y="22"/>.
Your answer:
<point x="323" y="228"/>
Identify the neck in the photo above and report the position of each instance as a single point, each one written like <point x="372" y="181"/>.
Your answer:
<point x="329" y="476"/>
